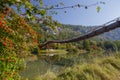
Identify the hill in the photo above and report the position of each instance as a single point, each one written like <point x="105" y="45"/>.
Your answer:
<point x="78" y="29"/>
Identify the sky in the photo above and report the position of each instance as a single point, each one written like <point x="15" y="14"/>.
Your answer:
<point x="86" y="17"/>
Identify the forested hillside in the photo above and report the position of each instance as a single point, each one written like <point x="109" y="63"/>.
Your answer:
<point x="78" y="29"/>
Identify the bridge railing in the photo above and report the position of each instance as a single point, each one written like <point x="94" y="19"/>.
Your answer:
<point x="103" y="25"/>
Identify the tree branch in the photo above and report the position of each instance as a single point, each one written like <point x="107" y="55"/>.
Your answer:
<point x="72" y="6"/>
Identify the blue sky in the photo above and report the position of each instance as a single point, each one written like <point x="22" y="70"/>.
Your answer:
<point x="87" y="17"/>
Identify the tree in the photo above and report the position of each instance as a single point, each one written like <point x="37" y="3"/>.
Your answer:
<point x="16" y="39"/>
<point x="86" y="44"/>
<point x="17" y="34"/>
<point x="110" y="46"/>
<point x="117" y="44"/>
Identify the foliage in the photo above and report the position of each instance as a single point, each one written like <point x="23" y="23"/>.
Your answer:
<point x="112" y="35"/>
<point x="86" y="44"/>
<point x="117" y="43"/>
<point x="16" y="39"/>
<point x="99" y="70"/>
<point x="8" y="59"/>
<point x="110" y="46"/>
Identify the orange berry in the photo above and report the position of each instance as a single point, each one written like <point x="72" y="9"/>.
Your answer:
<point x="4" y="43"/>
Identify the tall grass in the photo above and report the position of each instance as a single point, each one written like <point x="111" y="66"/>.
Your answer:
<point x="101" y="69"/>
<point x="93" y="68"/>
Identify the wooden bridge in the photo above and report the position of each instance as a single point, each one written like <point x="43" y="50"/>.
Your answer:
<point x="111" y="25"/>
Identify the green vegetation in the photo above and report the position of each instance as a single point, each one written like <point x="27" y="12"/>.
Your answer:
<point x="89" y="68"/>
<point x="53" y="51"/>
<point x="79" y="29"/>
<point x="101" y="69"/>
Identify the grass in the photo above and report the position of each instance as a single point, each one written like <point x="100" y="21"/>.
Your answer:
<point x="93" y="68"/>
<point x="101" y="69"/>
<point x="48" y="76"/>
<point x="53" y="51"/>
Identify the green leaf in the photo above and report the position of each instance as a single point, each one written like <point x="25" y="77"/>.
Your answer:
<point x="51" y="7"/>
<point x="98" y="9"/>
<point x="41" y="3"/>
<point x="42" y="12"/>
<point x="28" y="16"/>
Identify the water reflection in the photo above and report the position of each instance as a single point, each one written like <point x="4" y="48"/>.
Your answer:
<point x="51" y="62"/>
<point x="44" y="63"/>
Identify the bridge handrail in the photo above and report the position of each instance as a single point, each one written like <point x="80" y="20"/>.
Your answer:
<point x="105" y="24"/>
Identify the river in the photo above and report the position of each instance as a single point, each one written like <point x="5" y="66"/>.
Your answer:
<point x="55" y="63"/>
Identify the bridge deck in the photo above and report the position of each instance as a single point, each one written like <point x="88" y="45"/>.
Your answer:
<point x="111" y="25"/>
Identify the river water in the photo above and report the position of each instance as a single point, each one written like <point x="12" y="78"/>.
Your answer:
<point x="52" y="63"/>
